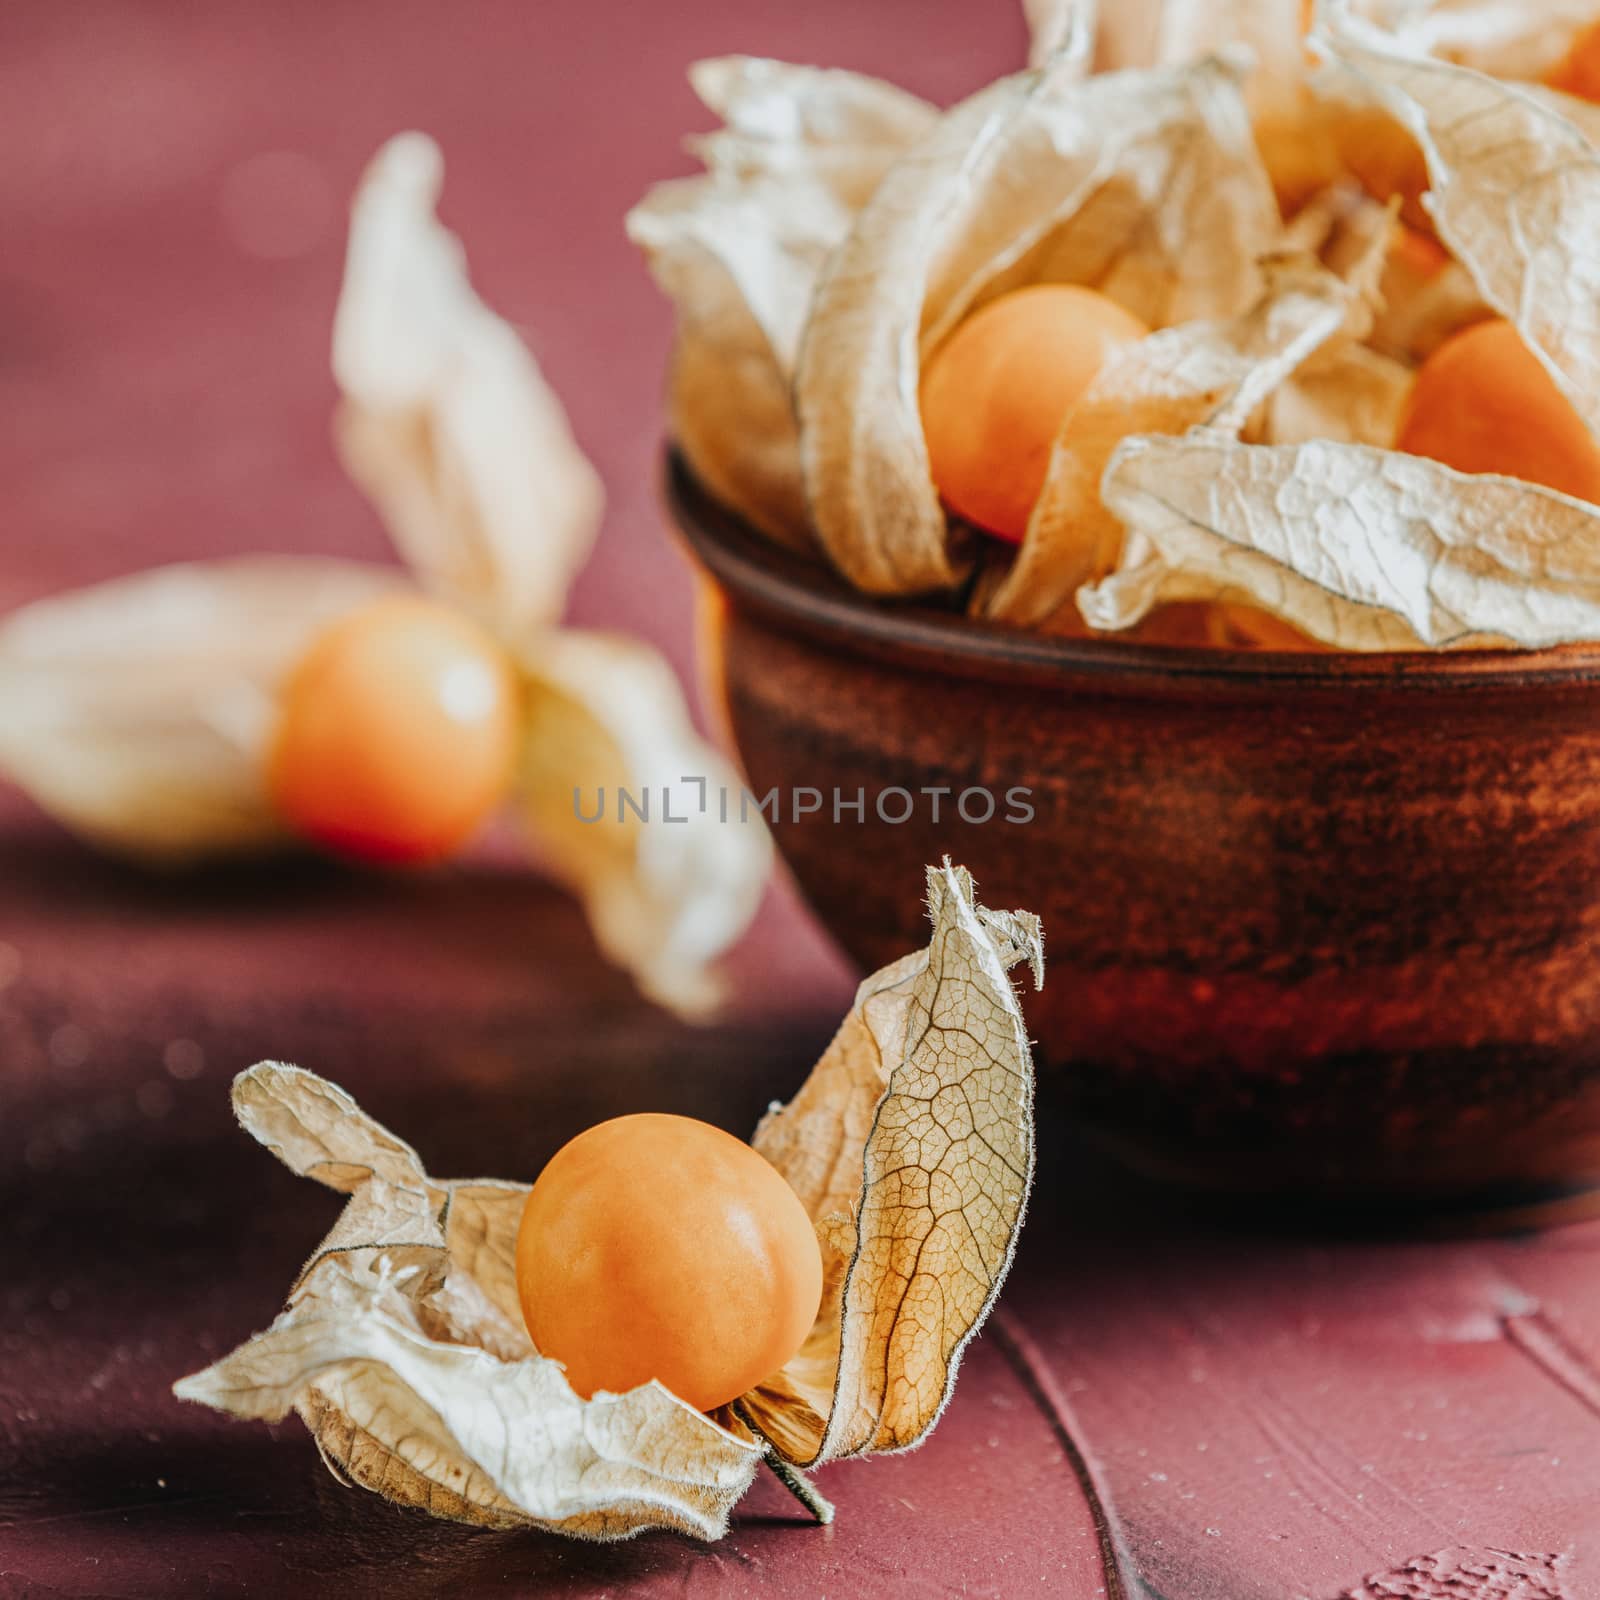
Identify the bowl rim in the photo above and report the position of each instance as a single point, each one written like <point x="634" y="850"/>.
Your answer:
<point x="808" y="598"/>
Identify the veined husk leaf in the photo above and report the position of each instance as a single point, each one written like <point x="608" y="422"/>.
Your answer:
<point x="403" y="1349"/>
<point x="819" y="124"/>
<point x="665" y="896"/>
<point x="1361" y="548"/>
<point x="1520" y="39"/>
<point x="446" y="421"/>
<point x="139" y="711"/>
<point x="1165" y="33"/>
<point x="1515" y="195"/>
<point x="1145" y="186"/>
<point x="1166" y="383"/>
<point x="911" y="1145"/>
<point x="402" y="1345"/>
<point x="738" y="252"/>
<point x="1510" y="38"/>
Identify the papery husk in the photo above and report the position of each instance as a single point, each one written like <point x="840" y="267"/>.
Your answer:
<point x="665" y="897"/>
<point x="1515" y="194"/>
<point x="446" y="421"/>
<point x="1363" y="549"/>
<point x="403" y="1349"/>
<point x="1418" y="316"/>
<point x="1147" y="187"/>
<point x="1345" y="389"/>
<point x="818" y="124"/>
<point x="139" y="712"/>
<point x="739" y="263"/>
<point x="1165" y="383"/>
<point x="1169" y="33"/>
<point x="1294" y="144"/>
<point x="402" y="1345"/>
<point x="1356" y="396"/>
<point x="1519" y="39"/>
<point x="926" y="1092"/>
<point x="450" y="428"/>
<point x="738" y="253"/>
<point x="1062" y="27"/>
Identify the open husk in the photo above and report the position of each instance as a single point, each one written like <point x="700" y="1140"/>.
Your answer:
<point x="142" y="712"/>
<point x="1514" y="193"/>
<point x="1147" y="187"/>
<point x="1365" y="548"/>
<point x="139" y="712"/>
<point x="1173" y="154"/>
<point x="738" y="252"/>
<point x="402" y="1345"/>
<point x="1165" y="383"/>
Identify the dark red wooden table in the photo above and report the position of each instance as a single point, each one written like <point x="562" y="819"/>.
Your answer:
<point x="1163" y="1407"/>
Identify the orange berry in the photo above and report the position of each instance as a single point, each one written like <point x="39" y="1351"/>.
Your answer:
<point x="1483" y="402"/>
<point x="1419" y="257"/>
<point x="660" y="1247"/>
<point x="996" y="392"/>
<point x="1579" y="70"/>
<point x="397" y="733"/>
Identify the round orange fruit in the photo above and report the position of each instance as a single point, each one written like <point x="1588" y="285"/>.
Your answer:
<point x="996" y="393"/>
<point x="1483" y="402"/>
<point x="656" y="1246"/>
<point x="397" y="733"/>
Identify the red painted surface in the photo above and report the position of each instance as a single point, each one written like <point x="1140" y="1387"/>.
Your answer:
<point x="1245" y="1416"/>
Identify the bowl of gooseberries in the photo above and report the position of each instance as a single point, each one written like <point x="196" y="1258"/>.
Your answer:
<point x="1320" y="925"/>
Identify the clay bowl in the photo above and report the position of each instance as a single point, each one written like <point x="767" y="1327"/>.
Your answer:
<point x="1317" y="926"/>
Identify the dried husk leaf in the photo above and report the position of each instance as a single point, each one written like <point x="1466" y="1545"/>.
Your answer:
<point x="1355" y="396"/>
<point x="1418" y="315"/>
<point x="1163" y="33"/>
<point x="1515" y="195"/>
<point x="1057" y="27"/>
<point x="446" y="422"/>
<point x="402" y="1345"/>
<point x="1165" y="383"/>
<point x="1166" y="33"/>
<point x="912" y="1147"/>
<point x="1345" y="389"/>
<point x="1145" y="186"/>
<point x="1521" y="39"/>
<point x="138" y="712"/>
<point x="739" y="263"/>
<point x="1361" y="548"/>
<point x="605" y="715"/>
<point x="841" y="129"/>
<point x="738" y="253"/>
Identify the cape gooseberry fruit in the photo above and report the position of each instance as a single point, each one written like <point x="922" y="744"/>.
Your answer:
<point x="997" y="391"/>
<point x="659" y="1247"/>
<point x="397" y="734"/>
<point x="1483" y="402"/>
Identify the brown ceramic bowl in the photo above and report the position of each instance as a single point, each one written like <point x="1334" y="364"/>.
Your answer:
<point x="1316" y="925"/>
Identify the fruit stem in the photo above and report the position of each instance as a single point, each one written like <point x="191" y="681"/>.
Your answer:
<point x="801" y="1487"/>
<point x="789" y="1475"/>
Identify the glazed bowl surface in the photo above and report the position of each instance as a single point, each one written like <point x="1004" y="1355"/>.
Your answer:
<point x="1316" y="925"/>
